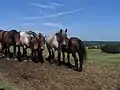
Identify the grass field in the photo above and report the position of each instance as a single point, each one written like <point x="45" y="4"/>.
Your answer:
<point x="101" y="57"/>
<point x="94" y="55"/>
<point x="6" y="85"/>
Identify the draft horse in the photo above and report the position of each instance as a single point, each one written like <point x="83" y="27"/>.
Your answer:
<point x="74" y="46"/>
<point x="30" y="39"/>
<point x="37" y="47"/>
<point x="11" y="38"/>
<point x="1" y="39"/>
<point x="56" y="41"/>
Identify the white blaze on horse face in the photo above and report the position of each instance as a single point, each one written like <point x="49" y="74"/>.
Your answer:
<point x="64" y="42"/>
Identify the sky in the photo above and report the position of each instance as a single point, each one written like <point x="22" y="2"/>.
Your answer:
<point x="90" y="20"/>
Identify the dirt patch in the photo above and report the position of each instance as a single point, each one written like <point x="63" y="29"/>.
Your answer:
<point x="37" y="76"/>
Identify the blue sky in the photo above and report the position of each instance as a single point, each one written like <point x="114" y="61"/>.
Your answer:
<point x="86" y="19"/>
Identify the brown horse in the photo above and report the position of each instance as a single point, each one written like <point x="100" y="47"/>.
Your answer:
<point x="56" y="41"/>
<point x="74" y="45"/>
<point x="41" y="44"/>
<point x="37" y="46"/>
<point x="11" y="37"/>
<point x="34" y="42"/>
<point x="1" y="39"/>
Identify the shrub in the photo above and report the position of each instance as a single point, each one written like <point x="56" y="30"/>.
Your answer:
<point x="111" y="48"/>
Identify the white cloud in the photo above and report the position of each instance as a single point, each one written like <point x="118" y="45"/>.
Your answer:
<point x="56" y="4"/>
<point x="43" y="6"/>
<point x="55" y="15"/>
<point x="53" y="24"/>
<point x="51" y="6"/>
<point x="27" y="24"/>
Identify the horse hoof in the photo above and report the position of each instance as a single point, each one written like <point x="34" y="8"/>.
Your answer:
<point x="30" y="59"/>
<point x="25" y="60"/>
<point x="8" y="58"/>
<point x="3" y="55"/>
<point x="80" y="70"/>
<point x="76" y="69"/>
<point x="15" y="59"/>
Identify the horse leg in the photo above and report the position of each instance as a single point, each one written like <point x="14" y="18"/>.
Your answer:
<point x="24" y="53"/>
<point x="19" y="54"/>
<point x="8" y="51"/>
<point x="34" y="55"/>
<point x="40" y="56"/>
<point x="59" y="57"/>
<point x="14" y="53"/>
<point x="53" y="55"/>
<point x="76" y="61"/>
<point x="68" y="57"/>
<point x="3" y="49"/>
<point x="31" y="56"/>
<point x="63" y="55"/>
<point x="2" y="45"/>
<point x="81" y="61"/>
<point x="50" y="54"/>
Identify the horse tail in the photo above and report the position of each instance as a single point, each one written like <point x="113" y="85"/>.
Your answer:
<point x="82" y="50"/>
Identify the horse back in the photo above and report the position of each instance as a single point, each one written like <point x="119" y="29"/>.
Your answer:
<point x="6" y="36"/>
<point x="74" y="44"/>
<point x="13" y="33"/>
<point x="1" y="34"/>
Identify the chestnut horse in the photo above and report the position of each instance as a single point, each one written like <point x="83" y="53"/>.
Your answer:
<point x="74" y="46"/>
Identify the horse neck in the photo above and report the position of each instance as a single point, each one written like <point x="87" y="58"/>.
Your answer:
<point x="50" y="38"/>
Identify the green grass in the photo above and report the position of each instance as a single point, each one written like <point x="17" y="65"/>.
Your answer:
<point x="98" y="56"/>
<point x="5" y="85"/>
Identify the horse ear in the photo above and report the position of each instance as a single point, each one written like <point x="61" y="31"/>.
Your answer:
<point x="65" y="30"/>
<point x="61" y="30"/>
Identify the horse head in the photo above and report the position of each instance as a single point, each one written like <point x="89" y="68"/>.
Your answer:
<point x="41" y="40"/>
<point x="61" y="36"/>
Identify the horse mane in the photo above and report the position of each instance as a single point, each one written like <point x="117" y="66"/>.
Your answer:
<point x="32" y="33"/>
<point x="58" y="31"/>
<point x="67" y="38"/>
<point x="14" y="30"/>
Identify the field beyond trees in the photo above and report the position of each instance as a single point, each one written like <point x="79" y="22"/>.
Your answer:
<point x="101" y="72"/>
